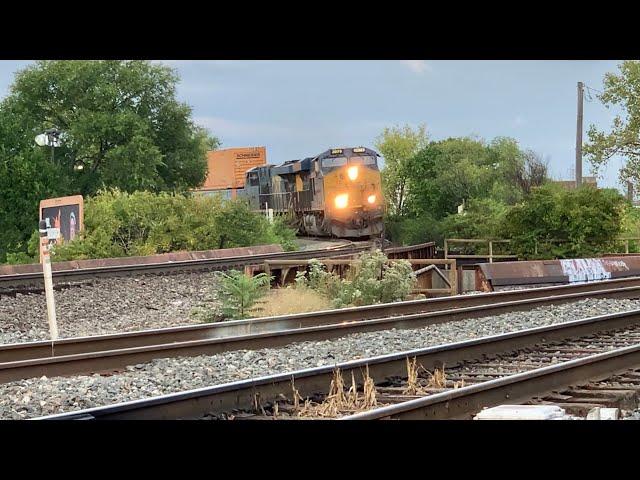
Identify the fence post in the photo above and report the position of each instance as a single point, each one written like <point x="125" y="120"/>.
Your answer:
<point x="454" y="278"/>
<point x="446" y="248"/>
<point x="626" y="246"/>
<point x="490" y="251"/>
<point x="267" y="268"/>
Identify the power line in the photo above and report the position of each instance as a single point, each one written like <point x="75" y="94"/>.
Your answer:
<point x="589" y="98"/>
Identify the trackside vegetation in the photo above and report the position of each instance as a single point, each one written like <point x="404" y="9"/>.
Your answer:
<point x="470" y="188"/>
<point x="121" y="224"/>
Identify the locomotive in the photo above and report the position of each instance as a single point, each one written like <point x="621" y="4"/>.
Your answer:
<point x="336" y="193"/>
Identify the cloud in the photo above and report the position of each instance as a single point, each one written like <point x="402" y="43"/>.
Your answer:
<point x="223" y="127"/>
<point x="417" y="66"/>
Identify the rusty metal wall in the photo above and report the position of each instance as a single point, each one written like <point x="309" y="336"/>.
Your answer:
<point x="419" y="251"/>
<point x="577" y="270"/>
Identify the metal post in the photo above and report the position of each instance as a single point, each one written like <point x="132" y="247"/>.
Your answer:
<point x="48" y="281"/>
<point x="579" y="136"/>
<point x="490" y="251"/>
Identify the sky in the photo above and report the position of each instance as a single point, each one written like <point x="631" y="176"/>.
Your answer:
<point x="301" y="108"/>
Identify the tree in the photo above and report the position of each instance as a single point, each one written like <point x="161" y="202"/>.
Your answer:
<point x="398" y="145"/>
<point x="485" y="177"/>
<point x="587" y="219"/>
<point x="623" y="91"/>
<point x="120" y="120"/>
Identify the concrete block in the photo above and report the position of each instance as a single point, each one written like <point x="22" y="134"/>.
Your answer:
<point x="522" y="412"/>
<point x="601" y="413"/>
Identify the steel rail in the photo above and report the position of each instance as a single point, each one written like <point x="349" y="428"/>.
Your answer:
<point x="503" y="301"/>
<point x="21" y="279"/>
<point x="109" y="360"/>
<point x="246" y="394"/>
<point x="463" y="403"/>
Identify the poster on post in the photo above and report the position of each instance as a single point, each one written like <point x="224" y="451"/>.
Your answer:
<point x="63" y="217"/>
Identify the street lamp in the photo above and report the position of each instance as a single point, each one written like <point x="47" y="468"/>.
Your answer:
<point x="50" y="138"/>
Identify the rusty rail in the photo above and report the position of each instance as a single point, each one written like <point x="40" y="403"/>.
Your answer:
<point x="108" y="352"/>
<point x="32" y="280"/>
<point x="246" y="394"/>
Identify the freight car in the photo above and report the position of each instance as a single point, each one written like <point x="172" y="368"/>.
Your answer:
<point x="336" y="193"/>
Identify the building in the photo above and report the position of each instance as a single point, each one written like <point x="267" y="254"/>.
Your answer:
<point x="227" y="168"/>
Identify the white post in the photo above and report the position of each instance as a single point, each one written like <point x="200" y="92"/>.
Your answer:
<point x="48" y="281"/>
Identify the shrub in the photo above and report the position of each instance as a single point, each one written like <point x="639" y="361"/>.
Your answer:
<point x="236" y="293"/>
<point x="120" y="224"/>
<point x="374" y="280"/>
<point x="589" y="220"/>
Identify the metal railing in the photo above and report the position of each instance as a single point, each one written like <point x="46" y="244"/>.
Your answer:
<point x="286" y="201"/>
<point x="491" y="242"/>
<point x="490" y="256"/>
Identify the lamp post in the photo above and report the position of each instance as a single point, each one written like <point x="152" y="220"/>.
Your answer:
<point x="50" y="138"/>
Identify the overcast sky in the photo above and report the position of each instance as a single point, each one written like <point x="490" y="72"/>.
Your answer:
<point x="301" y="108"/>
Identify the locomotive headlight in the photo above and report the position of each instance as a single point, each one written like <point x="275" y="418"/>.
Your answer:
<point x="371" y="199"/>
<point x="352" y="172"/>
<point x="342" y="200"/>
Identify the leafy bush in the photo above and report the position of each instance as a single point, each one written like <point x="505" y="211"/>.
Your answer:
<point x="120" y="224"/>
<point x="589" y="220"/>
<point x="374" y="280"/>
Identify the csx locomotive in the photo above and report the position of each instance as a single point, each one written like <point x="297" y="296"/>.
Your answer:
<point x="337" y="193"/>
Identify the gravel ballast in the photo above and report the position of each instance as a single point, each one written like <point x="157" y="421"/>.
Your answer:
<point x="109" y="305"/>
<point x="45" y="396"/>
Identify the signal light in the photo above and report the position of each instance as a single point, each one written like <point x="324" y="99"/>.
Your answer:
<point x="352" y="172"/>
<point x="342" y="200"/>
<point x="371" y="199"/>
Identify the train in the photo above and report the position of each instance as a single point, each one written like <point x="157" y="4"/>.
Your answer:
<point x="337" y="193"/>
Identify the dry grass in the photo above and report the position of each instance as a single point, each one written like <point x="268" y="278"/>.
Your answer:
<point x="437" y="379"/>
<point x="337" y="401"/>
<point x="287" y="301"/>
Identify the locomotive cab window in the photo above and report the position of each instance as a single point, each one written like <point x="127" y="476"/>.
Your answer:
<point x="366" y="160"/>
<point x="253" y="179"/>
<point x="334" y="162"/>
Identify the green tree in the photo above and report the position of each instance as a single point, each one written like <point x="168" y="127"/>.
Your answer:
<point x="587" y="219"/>
<point x="398" y="145"/>
<point x="120" y="119"/>
<point x="483" y="177"/>
<point x="622" y="91"/>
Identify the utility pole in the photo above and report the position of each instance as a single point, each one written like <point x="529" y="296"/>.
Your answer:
<point x="579" y="136"/>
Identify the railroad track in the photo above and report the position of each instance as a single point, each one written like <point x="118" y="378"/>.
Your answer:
<point x="488" y="371"/>
<point x="112" y="352"/>
<point x="30" y="282"/>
